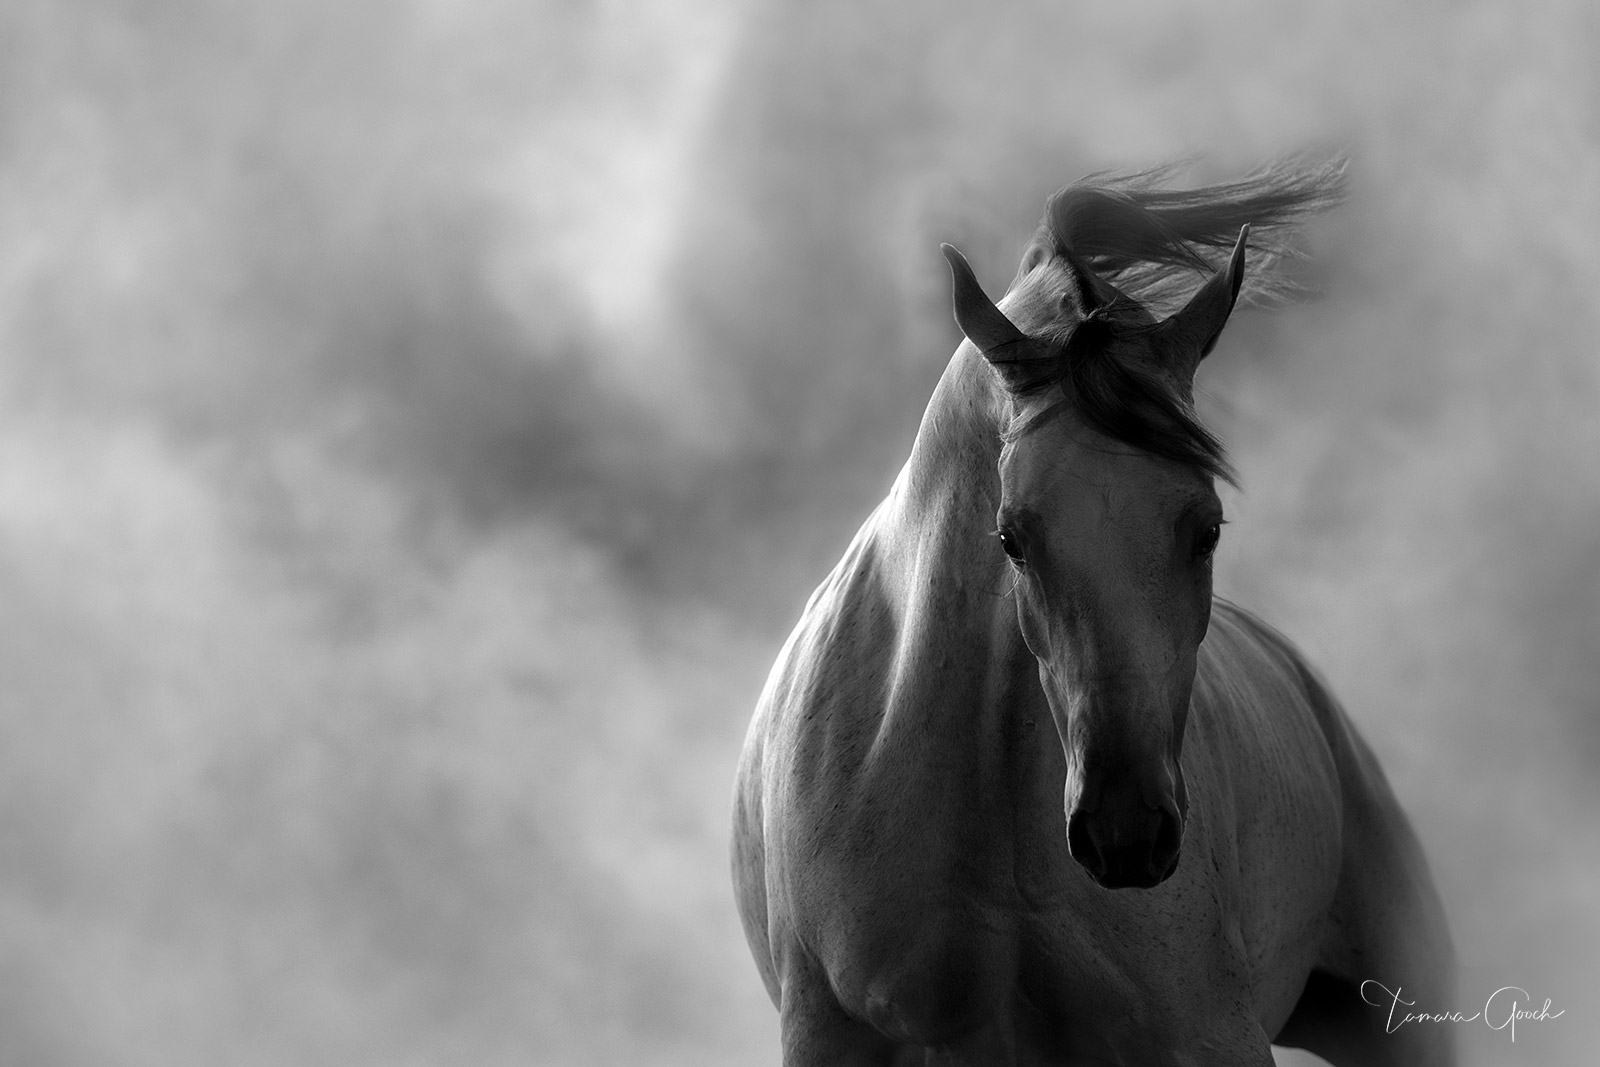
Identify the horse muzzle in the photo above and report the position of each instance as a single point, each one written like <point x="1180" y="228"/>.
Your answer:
<point x="1127" y="845"/>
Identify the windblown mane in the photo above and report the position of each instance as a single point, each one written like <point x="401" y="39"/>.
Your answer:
<point x="1151" y="244"/>
<point x="1150" y="241"/>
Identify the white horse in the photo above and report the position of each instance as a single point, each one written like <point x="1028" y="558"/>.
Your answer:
<point x="1019" y="789"/>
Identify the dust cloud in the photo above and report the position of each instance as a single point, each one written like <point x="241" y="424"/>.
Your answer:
<point x="420" y="424"/>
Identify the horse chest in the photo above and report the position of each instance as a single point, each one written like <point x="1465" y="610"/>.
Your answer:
<point x="919" y="899"/>
<point x="929" y="970"/>
<point x="922" y="975"/>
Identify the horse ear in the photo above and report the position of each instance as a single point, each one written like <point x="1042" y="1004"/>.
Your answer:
<point x="1198" y="324"/>
<point x="983" y="324"/>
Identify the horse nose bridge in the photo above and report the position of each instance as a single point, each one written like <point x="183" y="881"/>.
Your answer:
<point x="1125" y="727"/>
<point x="1123" y="621"/>
<point x="1123" y="734"/>
<point x="1150" y="788"/>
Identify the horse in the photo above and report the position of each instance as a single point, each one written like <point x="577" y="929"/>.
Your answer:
<point x="1020" y="789"/>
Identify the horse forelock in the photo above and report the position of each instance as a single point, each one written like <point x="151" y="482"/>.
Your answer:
<point x="1129" y="403"/>
<point x="1106" y="366"/>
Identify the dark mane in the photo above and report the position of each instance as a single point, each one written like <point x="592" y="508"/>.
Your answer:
<point x="1150" y="242"/>
<point x="1155" y="246"/>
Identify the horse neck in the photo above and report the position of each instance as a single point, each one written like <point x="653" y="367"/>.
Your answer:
<point x="960" y="687"/>
<point x="937" y="532"/>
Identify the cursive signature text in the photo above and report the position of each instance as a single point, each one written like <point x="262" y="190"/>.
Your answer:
<point x="1502" y="1011"/>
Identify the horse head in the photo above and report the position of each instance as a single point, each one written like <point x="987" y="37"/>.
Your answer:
<point x="1109" y="516"/>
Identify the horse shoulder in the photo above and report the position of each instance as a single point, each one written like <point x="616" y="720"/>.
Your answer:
<point x="1277" y="734"/>
<point x="1387" y="917"/>
<point x="1372" y="823"/>
<point x="876" y="868"/>
<point x="806" y="733"/>
<point x="1276" y="823"/>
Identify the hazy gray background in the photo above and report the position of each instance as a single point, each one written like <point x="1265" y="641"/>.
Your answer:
<point x="421" y="423"/>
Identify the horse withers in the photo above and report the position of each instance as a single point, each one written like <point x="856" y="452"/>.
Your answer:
<point x="1020" y="788"/>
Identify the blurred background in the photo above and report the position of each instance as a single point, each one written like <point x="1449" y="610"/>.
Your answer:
<point x="420" y="424"/>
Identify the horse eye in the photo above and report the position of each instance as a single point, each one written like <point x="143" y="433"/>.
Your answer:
<point x="1206" y="543"/>
<point x="1012" y="549"/>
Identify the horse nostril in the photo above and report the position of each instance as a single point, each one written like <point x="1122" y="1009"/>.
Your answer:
<point x="1141" y="851"/>
<point x="1081" y="844"/>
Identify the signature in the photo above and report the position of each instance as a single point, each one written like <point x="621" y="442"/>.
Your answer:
<point x="1502" y="1011"/>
